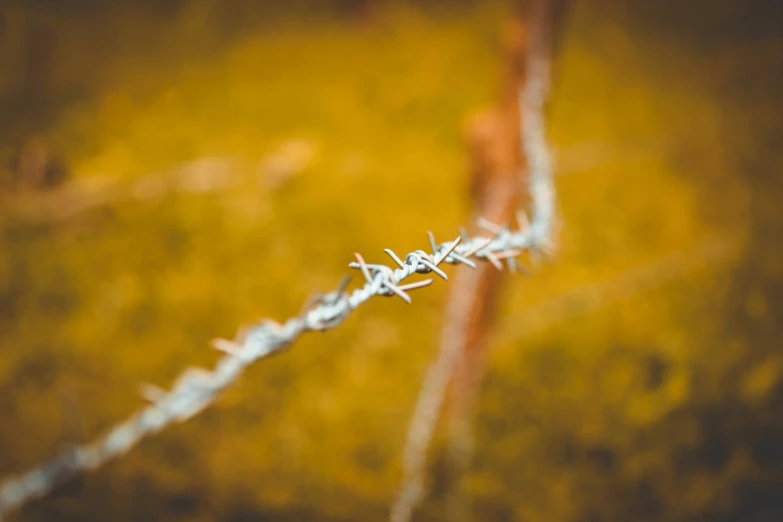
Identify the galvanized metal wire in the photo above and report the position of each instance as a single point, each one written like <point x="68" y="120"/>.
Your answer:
<point x="197" y="388"/>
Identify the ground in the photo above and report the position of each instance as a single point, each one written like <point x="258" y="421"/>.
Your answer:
<point x="223" y="163"/>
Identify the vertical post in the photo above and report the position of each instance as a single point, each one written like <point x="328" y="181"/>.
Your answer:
<point x="498" y="175"/>
<point x="500" y="171"/>
<point x="499" y="139"/>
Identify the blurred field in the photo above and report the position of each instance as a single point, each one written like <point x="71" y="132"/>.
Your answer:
<point x="224" y="161"/>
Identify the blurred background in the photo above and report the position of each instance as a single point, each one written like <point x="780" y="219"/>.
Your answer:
<point x="173" y="170"/>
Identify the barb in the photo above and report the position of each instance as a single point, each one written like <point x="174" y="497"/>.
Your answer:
<point x="197" y="388"/>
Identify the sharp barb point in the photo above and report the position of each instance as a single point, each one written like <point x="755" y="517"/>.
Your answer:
<point x="394" y="257"/>
<point x="151" y="392"/>
<point x="363" y="267"/>
<point x="394" y="288"/>
<point x="433" y="244"/>
<point x="435" y="269"/>
<point x="448" y="251"/>
<point x="463" y="260"/>
<point x="414" y="286"/>
<point x="494" y="260"/>
<point x="489" y="225"/>
<point x="482" y="244"/>
<point x="225" y="346"/>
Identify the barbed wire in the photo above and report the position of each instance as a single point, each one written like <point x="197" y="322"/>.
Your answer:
<point x="197" y="388"/>
<point x="199" y="176"/>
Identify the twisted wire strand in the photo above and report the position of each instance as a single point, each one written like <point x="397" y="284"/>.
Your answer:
<point x="532" y="101"/>
<point x="197" y="388"/>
